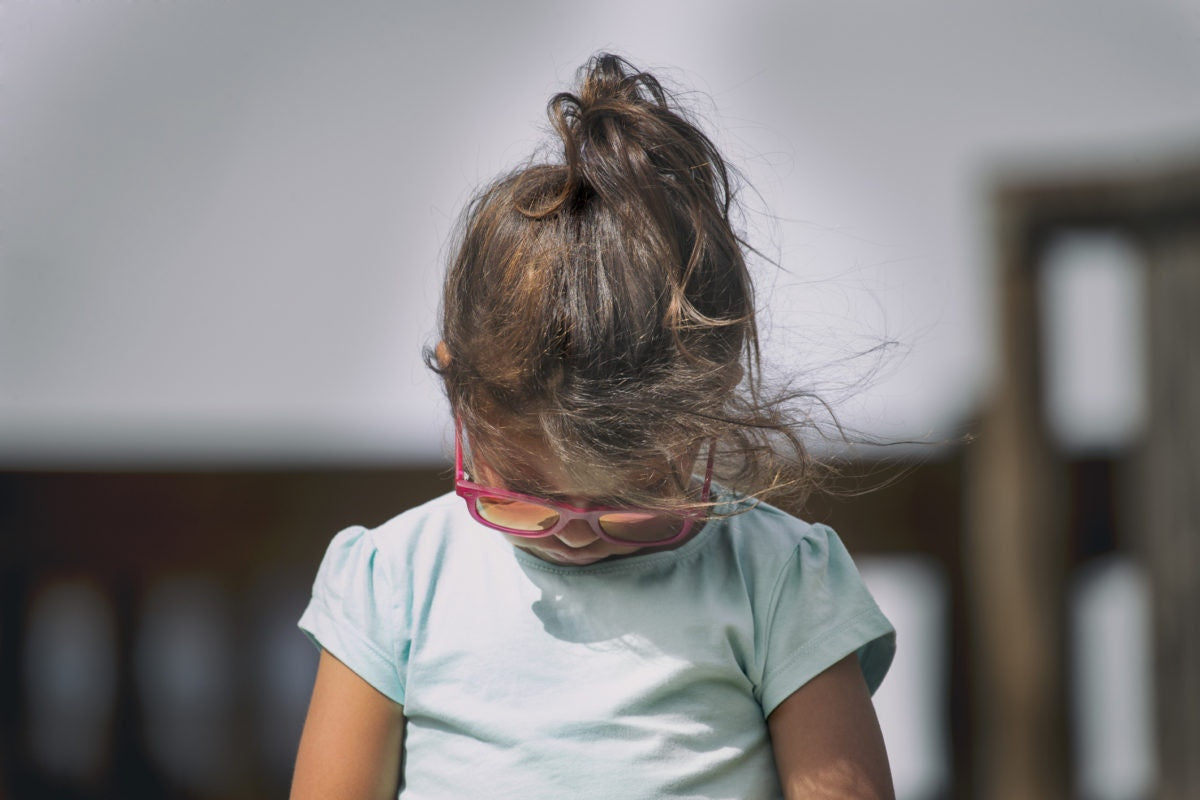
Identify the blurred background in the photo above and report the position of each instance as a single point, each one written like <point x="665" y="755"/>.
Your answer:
<point x="222" y="230"/>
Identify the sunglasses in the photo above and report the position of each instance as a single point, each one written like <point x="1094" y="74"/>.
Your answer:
<point x="536" y="517"/>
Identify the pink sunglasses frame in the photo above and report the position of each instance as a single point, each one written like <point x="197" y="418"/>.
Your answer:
<point x="471" y="491"/>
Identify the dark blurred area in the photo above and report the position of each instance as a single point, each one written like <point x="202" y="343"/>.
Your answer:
<point x="147" y="624"/>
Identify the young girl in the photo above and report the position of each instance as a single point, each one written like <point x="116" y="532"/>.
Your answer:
<point x="591" y="614"/>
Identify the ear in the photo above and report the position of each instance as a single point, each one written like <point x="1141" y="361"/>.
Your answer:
<point x="442" y="354"/>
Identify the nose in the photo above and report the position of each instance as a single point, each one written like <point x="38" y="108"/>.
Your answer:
<point x="577" y="533"/>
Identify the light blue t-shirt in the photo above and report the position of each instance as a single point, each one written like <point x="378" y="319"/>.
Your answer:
<point x="644" y="677"/>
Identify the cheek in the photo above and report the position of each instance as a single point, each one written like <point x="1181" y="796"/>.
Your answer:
<point x="518" y="541"/>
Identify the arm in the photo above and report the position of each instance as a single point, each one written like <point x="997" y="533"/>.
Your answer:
<point x="353" y="740"/>
<point x="827" y="741"/>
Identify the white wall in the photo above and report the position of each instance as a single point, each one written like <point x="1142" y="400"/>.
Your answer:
<point x="221" y="223"/>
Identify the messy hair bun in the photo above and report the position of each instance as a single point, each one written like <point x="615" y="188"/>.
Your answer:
<point x="598" y="303"/>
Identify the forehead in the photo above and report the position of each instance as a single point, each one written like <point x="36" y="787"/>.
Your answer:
<point x="524" y="463"/>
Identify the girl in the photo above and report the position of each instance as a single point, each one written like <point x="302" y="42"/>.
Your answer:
<point x="600" y="618"/>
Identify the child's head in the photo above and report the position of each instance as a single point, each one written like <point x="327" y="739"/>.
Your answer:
<point x="598" y="309"/>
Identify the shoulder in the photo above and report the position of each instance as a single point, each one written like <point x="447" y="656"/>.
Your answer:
<point x="415" y="542"/>
<point x="358" y="555"/>
<point x="810" y="605"/>
<point x="762" y="537"/>
<point x="424" y="529"/>
<point x="772" y="553"/>
<point x="434" y="517"/>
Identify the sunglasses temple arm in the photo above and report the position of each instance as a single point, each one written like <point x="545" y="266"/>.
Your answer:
<point x="458" y="454"/>
<point x="708" y="471"/>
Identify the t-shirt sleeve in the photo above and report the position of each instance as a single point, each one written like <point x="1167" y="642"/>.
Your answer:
<point x="357" y="614"/>
<point x="819" y="612"/>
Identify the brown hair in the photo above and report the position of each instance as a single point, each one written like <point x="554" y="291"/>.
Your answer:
<point x="600" y="305"/>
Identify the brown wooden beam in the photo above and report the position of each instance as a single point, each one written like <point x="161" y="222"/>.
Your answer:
<point x="1015" y="553"/>
<point x="1170" y="534"/>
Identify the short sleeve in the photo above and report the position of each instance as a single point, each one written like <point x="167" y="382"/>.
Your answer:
<point x="820" y="612"/>
<point x="357" y="614"/>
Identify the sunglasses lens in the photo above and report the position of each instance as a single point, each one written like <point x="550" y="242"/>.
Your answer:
<point x="641" y="527"/>
<point x="516" y="515"/>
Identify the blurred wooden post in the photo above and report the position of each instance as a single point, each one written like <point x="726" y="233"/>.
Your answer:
<point x="1170" y="537"/>
<point x="1014" y="552"/>
<point x="1014" y="555"/>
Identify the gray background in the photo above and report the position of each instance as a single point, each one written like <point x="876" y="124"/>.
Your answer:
<point x="223" y="223"/>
